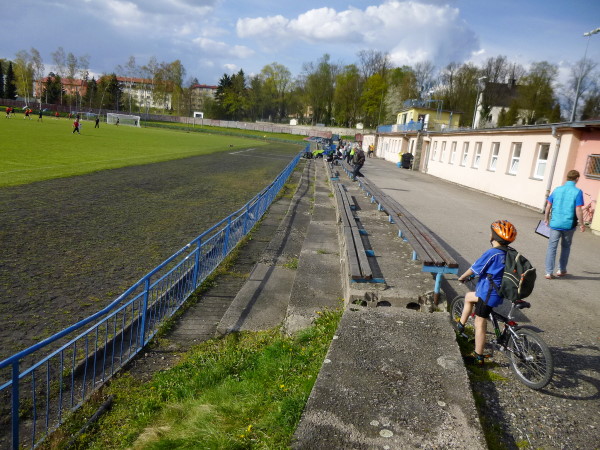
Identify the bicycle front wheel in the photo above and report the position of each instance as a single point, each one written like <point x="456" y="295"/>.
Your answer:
<point x="530" y="359"/>
<point x="456" y="308"/>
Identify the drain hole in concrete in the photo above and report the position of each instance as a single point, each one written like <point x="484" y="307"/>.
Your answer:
<point x="384" y="303"/>
<point x="413" y="305"/>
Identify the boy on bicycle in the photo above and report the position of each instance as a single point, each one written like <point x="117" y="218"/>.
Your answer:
<point x="485" y="297"/>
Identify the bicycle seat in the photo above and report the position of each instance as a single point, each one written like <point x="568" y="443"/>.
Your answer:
<point x="522" y="304"/>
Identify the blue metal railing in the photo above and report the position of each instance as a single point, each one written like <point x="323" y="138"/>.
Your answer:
<point x="400" y="128"/>
<point x="35" y="400"/>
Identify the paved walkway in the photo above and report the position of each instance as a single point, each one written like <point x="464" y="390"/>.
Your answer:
<point x="566" y="310"/>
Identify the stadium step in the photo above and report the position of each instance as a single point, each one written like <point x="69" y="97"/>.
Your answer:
<point x="263" y="300"/>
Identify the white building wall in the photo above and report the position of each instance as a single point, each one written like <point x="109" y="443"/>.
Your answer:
<point x="523" y="186"/>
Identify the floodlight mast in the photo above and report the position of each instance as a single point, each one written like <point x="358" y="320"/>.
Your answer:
<point x="577" y="93"/>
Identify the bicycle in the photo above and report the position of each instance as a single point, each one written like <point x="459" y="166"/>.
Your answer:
<point x="528" y="355"/>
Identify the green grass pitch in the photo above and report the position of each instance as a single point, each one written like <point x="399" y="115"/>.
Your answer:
<point x="33" y="151"/>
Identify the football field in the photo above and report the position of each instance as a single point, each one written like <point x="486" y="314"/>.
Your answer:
<point x="33" y="150"/>
<point x="82" y="217"/>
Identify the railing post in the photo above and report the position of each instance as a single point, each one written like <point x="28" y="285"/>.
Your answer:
<point x="197" y="262"/>
<point x="246" y="218"/>
<point x="226" y="239"/>
<point x="144" y="312"/>
<point x="15" y="405"/>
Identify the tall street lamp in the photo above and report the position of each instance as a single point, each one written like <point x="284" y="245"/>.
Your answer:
<point x="480" y="87"/>
<point x="588" y="35"/>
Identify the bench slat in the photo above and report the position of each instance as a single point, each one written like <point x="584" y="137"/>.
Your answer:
<point x="425" y="245"/>
<point x="358" y="262"/>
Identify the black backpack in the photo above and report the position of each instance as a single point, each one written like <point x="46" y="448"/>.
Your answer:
<point x="519" y="276"/>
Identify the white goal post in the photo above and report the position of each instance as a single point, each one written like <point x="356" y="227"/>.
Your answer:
<point x="123" y="119"/>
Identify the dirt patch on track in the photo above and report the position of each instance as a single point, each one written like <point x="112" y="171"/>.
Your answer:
<point x="71" y="246"/>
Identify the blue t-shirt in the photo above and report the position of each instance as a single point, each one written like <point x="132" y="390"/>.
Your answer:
<point x="564" y="200"/>
<point x="491" y="262"/>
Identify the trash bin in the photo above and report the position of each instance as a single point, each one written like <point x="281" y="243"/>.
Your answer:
<point x="407" y="160"/>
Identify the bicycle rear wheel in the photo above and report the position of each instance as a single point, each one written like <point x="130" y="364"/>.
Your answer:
<point x="530" y="359"/>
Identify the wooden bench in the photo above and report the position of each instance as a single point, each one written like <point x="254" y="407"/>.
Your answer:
<point x="358" y="262"/>
<point x="331" y="172"/>
<point x="426" y="248"/>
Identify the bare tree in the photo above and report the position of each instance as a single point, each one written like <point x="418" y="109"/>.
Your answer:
<point x="60" y="62"/>
<point x="497" y="70"/>
<point x="38" y="70"/>
<point x="372" y="62"/>
<point x="424" y="75"/>
<point x="580" y="82"/>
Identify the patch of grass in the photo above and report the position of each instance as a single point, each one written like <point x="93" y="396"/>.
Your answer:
<point x="44" y="150"/>
<point x="292" y="263"/>
<point x="247" y="390"/>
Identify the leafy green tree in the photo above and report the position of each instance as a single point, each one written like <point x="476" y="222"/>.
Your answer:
<point x="111" y="96"/>
<point x="536" y="94"/>
<point x="319" y="89"/>
<point x="347" y="96"/>
<point x="512" y="115"/>
<point x="459" y="89"/>
<point x="372" y="100"/>
<point x="277" y="79"/>
<point x="502" y="118"/>
<point x="1" y="79"/>
<point x="402" y="87"/>
<point x="258" y="102"/>
<point x="591" y="107"/>
<point x="90" y="99"/>
<point x="10" y="88"/>
<point x="51" y="92"/>
<point x="24" y="74"/>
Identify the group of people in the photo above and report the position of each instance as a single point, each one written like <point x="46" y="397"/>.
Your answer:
<point x="563" y="215"/>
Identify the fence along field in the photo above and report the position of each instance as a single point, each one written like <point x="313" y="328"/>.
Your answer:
<point x="75" y="243"/>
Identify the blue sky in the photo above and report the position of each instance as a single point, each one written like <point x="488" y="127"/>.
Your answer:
<point x="213" y="37"/>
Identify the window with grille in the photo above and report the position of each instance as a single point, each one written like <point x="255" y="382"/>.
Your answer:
<point x="443" y="154"/>
<point x="592" y="167"/>
<point x="434" y="153"/>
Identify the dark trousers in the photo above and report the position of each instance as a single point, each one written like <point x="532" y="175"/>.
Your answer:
<point x="356" y="172"/>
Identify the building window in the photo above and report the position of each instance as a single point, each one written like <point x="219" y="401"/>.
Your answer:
<point x="541" y="161"/>
<point x="494" y="156"/>
<point x="443" y="154"/>
<point x="592" y="167"/>
<point x="477" y="155"/>
<point x="515" y="158"/>
<point x="465" y="154"/>
<point x="434" y="153"/>
<point x="453" y="152"/>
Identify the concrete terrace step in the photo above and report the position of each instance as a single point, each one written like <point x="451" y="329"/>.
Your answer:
<point x="393" y="379"/>
<point x="318" y="279"/>
<point x="263" y="300"/>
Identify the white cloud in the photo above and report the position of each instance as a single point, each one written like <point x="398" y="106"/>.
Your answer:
<point x="221" y="49"/>
<point x="408" y="30"/>
<point x="232" y="68"/>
